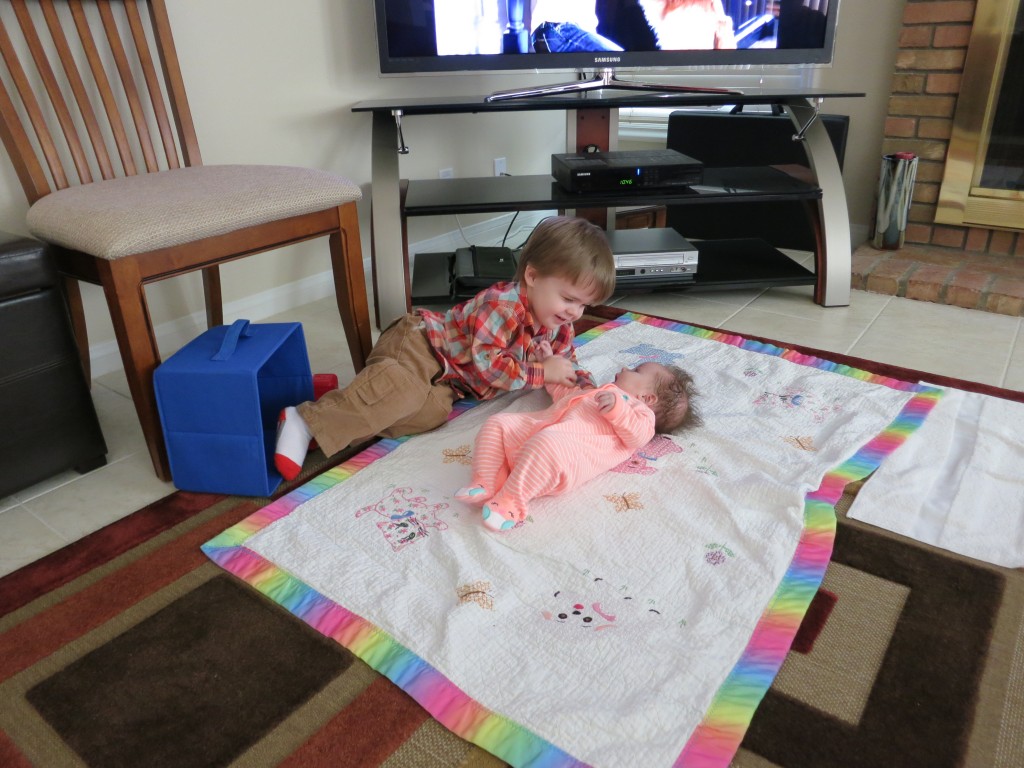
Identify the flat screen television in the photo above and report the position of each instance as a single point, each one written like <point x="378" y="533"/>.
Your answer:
<point x="600" y="37"/>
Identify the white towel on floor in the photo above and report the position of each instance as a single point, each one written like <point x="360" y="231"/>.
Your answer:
<point x="958" y="482"/>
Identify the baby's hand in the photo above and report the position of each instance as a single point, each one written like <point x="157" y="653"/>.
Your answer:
<point x="542" y="350"/>
<point x="558" y="370"/>
<point x="605" y="401"/>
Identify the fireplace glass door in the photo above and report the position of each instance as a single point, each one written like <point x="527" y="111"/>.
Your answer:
<point x="983" y="183"/>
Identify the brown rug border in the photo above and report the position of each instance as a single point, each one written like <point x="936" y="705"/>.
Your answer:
<point x="969" y="597"/>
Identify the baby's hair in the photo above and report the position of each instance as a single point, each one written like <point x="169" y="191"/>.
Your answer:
<point x="674" y="409"/>
<point x="571" y="248"/>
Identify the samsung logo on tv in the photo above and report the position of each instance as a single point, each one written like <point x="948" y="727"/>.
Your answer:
<point x="607" y="59"/>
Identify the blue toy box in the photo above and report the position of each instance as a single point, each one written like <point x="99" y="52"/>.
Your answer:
<point x="219" y="398"/>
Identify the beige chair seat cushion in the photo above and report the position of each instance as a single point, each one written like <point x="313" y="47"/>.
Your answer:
<point x="136" y="214"/>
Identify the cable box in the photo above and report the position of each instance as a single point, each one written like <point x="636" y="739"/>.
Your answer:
<point x="610" y="171"/>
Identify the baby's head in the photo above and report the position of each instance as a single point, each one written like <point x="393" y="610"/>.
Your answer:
<point x="667" y="390"/>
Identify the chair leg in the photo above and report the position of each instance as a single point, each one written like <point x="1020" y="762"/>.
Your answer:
<point x="76" y="310"/>
<point x="350" y="284"/>
<point x="212" y="294"/>
<point x="126" y="300"/>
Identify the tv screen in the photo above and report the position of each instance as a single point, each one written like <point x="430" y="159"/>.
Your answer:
<point x="419" y="36"/>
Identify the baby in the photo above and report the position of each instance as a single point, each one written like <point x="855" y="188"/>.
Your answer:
<point x="520" y="456"/>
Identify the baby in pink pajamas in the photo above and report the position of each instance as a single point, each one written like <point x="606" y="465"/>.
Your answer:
<point x="520" y="456"/>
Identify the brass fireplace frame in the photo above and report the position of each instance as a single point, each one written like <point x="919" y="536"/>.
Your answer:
<point x="961" y="201"/>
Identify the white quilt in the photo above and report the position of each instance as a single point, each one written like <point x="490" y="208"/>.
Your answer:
<point x="604" y="627"/>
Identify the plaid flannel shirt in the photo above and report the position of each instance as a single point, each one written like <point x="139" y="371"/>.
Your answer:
<point x="485" y="343"/>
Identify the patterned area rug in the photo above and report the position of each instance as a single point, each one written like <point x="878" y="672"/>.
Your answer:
<point x="131" y="648"/>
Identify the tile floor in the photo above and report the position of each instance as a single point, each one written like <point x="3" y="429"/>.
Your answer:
<point x="967" y="344"/>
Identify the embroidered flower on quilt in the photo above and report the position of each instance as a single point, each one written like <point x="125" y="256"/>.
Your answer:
<point x="697" y="461"/>
<point x="717" y="553"/>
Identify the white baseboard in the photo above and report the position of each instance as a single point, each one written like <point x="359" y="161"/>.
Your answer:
<point x="174" y="334"/>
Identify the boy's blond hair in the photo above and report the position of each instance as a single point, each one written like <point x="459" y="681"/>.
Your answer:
<point x="574" y="249"/>
<point x="674" y="409"/>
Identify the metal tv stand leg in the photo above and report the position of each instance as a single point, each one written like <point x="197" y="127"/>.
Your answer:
<point x="391" y="299"/>
<point x="833" y="263"/>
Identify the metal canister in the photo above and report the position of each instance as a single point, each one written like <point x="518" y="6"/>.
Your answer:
<point x="895" y="190"/>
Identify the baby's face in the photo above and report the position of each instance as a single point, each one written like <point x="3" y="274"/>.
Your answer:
<point x="640" y="380"/>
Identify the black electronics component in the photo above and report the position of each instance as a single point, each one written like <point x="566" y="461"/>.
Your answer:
<point x="609" y="171"/>
<point x="478" y="267"/>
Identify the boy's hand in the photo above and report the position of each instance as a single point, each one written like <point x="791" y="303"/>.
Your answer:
<point x="542" y="351"/>
<point x="605" y="401"/>
<point x="558" y="370"/>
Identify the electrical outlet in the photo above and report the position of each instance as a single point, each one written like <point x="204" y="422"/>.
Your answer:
<point x="500" y="166"/>
<point x="446" y="173"/>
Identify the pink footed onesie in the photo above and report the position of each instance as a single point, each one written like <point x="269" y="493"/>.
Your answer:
<point x="521" y="456"/>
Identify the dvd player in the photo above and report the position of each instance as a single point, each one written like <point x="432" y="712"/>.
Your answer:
<point x="609" y="171"/>
<point x="652" y="257"/>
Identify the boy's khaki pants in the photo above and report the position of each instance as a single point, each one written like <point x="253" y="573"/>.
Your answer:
<point x="396" y="394"/>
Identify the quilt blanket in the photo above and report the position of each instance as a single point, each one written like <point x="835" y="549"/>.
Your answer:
<point x="635" y="622"/>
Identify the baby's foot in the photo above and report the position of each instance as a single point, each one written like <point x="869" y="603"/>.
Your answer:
<point x="293" y="438"/>
<point x="497" y="517"/>
<point x="472" y="494"/>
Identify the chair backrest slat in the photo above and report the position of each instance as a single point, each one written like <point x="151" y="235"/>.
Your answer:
<point x="90" y="89"/>
<point x="67" y="60"/>
<point x="32" y="108"/>
<point x="175" y="85"/>
<point x="99" y="74"/>
<point x="156" y="100"/>
<point x="60" y="107"/>
<point x="26" y="164"/>
<point x="128" y="83"/>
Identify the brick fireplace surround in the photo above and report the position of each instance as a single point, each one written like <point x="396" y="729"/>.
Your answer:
<point x="964" y="266"/>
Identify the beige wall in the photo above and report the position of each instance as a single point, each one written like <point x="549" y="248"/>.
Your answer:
<point x="273" y="82"/>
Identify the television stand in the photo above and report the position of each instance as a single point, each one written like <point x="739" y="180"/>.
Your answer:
<point x="602" y="79"/>
<point x="394" y="200"/>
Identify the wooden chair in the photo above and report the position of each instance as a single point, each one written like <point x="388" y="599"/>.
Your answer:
<point x="105" y="149"/>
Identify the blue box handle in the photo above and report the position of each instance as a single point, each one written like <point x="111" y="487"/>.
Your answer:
<point x="227" y="347"/>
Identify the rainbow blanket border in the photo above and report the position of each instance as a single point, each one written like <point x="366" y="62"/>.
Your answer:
<point x="716" y="739"/>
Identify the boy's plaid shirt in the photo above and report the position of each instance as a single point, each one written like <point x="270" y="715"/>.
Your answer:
<point x="485" y="343"/>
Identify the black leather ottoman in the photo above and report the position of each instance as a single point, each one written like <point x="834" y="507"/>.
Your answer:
<point x="47" y="419"/>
